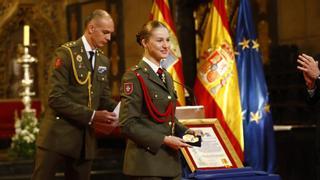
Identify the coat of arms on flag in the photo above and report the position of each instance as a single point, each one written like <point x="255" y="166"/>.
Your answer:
<point x="216" y="69"/>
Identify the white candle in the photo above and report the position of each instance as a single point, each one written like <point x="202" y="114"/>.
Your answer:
<point x="26" y="35"/>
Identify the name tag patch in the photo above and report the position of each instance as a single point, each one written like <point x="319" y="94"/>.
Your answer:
<point x="102" y="69"/>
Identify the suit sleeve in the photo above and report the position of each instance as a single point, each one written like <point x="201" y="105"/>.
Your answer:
<point x="130" y="116"/>
<point x="315" y="98"/>
<point x="59" y="83"/>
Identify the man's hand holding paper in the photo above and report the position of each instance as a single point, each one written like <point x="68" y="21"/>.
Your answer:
<point x="104" y="121"/>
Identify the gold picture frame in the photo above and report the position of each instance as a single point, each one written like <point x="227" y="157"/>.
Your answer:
<point x="216" y="151"/>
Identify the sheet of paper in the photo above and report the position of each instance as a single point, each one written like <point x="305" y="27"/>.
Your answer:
<point x="117" y="109"/>
<point x="211" y="153"/>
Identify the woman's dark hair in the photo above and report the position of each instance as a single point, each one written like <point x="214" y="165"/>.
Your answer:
<point x="145" y="32"/>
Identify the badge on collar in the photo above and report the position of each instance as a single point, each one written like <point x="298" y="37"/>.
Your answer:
<point x="79" y="58"/>
<point x="102" y="69"/>
<point x="128" y="88"/>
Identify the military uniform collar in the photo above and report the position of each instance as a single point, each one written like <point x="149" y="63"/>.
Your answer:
<point x="146" y="68"/>
<point x="153" y="66"/>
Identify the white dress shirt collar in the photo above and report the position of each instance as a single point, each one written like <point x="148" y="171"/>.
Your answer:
<point x="87" y="47"/>
<point x="153" y="66"/>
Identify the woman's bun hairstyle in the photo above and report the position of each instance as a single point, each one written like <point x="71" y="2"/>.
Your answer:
<point x="146" y="30"/>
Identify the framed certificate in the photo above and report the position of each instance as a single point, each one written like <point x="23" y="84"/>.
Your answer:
<point x="215" y="152"/>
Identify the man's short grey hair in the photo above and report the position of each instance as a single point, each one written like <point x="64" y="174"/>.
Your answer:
<point x="96" y="14"/>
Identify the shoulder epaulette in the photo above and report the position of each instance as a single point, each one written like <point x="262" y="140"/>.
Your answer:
<point x="70" y="44"/>
<point x="136" y="67"/>
<point x="100" y="51"/>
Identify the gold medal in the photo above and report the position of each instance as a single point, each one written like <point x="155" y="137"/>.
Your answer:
<point x="192" y="140"/>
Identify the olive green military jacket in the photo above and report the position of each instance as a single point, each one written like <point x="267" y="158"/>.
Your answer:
<point x="65" y="128"/>
<point x="145" y="154"/>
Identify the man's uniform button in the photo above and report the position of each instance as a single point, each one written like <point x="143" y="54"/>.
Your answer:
<point x="58" y="117"/>
<point x="169" y="97"/>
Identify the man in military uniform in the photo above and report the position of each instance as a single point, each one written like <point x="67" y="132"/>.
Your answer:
<point x="79" y="102"/>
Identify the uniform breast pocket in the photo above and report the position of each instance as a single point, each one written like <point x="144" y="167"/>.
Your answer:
<point x="102" y="74"/>
<point x="102" y="78"/>
<point x="156" y="96"/>
<point x="160" y="98"/>
<point x="81" y="76"/>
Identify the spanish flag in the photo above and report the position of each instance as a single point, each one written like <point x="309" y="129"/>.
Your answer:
<point x="161" y="12"/>
<point x="216" y="86"/>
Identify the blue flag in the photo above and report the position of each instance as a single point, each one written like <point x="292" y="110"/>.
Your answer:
<point x="259" y="145"/>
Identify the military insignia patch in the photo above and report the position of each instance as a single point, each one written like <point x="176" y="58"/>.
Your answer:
<point x="102" y="69"/>
<point x="79" y="58"/>
<point x="58" y="63"/>
<point x="128" y="88"/>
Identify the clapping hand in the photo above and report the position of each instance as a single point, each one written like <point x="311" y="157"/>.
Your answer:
<point x="310" y="69"/>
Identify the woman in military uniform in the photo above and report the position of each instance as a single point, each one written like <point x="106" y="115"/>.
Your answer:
<point x="148" y="102"/>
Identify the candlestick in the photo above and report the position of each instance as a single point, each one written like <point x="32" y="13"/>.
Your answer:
<point x="26" y="35"/>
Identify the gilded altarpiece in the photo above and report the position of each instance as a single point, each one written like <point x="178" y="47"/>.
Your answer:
<point x="52" y="23"/>
<point x="47" y="30"/>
